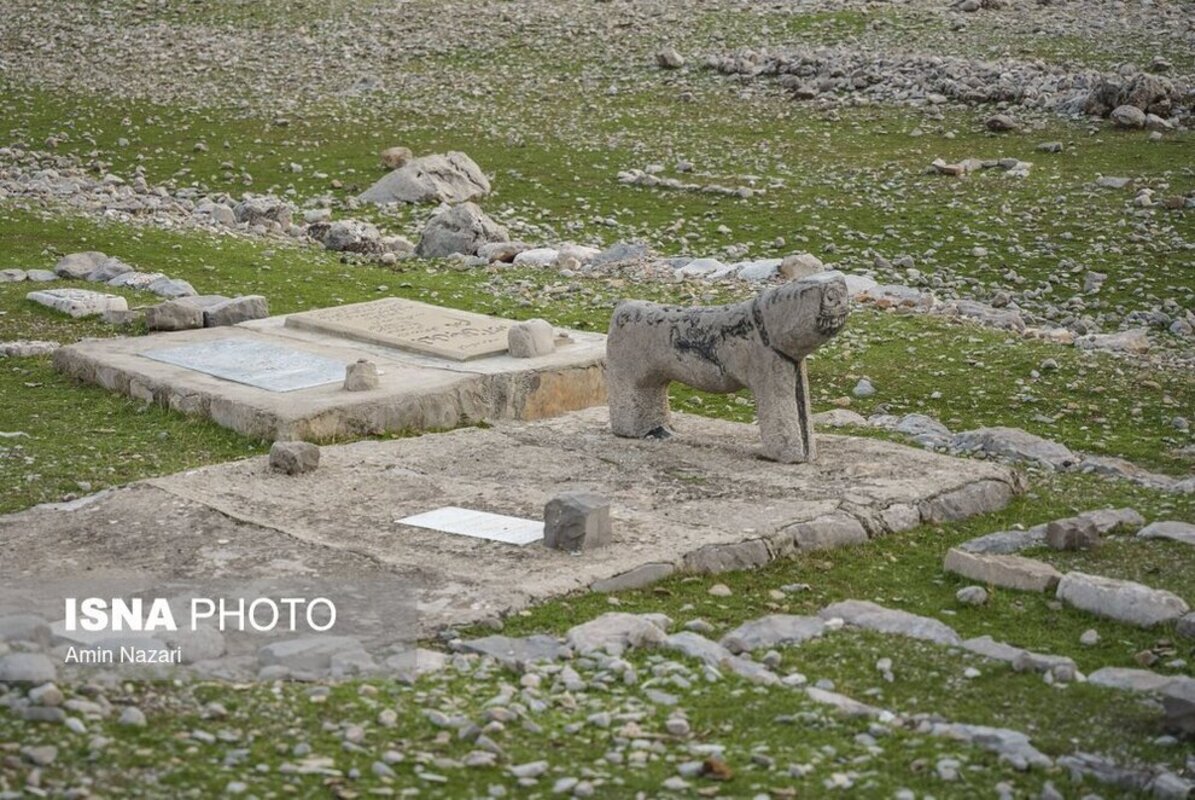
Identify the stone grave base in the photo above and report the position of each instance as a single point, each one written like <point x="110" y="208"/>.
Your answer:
<point x="701" y="502"/>
<point x="415" y="393"/>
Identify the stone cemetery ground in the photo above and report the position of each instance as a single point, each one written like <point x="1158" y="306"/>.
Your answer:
<point x="1010" y="186"/>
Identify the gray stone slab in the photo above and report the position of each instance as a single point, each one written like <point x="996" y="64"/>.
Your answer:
<point x="264" y="365"/>
<point x="410" y="325"/>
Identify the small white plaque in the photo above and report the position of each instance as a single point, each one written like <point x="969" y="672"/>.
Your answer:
<point x="479" y="525"/>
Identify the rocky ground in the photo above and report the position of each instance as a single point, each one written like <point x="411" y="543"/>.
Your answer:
<point x="1010" y="188"/>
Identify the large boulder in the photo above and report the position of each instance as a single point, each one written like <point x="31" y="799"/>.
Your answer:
<point x="459" y="229"/>
<point x="449" y="178"/>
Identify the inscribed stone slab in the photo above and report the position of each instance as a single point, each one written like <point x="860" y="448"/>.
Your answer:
<point x="408" y="325"/>
<point x="260" y="364"/>
<point x="479" y="524"/>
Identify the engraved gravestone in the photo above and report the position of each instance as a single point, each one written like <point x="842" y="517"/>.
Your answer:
<point x="254" y="363"/>
<point x="412" y="326"/>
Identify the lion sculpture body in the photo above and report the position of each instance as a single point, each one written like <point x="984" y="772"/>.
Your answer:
<point x="760" y="344"/>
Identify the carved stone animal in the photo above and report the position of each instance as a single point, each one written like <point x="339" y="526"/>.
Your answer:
<point x="760" y="344"/>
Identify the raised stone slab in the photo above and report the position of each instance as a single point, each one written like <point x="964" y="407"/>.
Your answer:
<point x="699" y="502"/>
<point x="410" y="325"/>
<point x="269" y="379"/>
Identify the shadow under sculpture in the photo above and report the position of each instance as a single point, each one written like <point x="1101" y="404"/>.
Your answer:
<point x="760" y="344"/>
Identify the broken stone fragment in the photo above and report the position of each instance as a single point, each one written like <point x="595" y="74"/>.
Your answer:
<point x="294" y="458"/>
<point x="174" y="315"/>
<point x="1125" y="601"/>
<point x="361" y="376"/>
<point x="576" y="521"/>
<point x="77" y="266"/>
<point x="1073" y="533"/>
<point x="531" y="339"/>
<point x="236" y="310"/>
<point x="1008" y="571"/>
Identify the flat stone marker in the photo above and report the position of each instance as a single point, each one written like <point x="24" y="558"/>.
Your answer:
<point x="78" y="302"/>
<point x="479" y="525"/>
<point x="409" y="325"/>
<point x="263" y="365"/>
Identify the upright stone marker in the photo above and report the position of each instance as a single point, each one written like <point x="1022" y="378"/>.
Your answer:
<point x="408" y="325"/>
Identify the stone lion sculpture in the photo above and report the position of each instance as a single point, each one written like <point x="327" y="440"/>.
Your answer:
<point x="760" y="344"/>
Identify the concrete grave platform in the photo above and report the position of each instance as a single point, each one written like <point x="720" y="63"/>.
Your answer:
<point x="701" y="502"/>
<point x="280" y="378"/>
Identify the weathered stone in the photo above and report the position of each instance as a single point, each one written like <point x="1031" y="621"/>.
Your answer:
<point x="669" y="58"/>
<point x="620" y="252"/>
<point x="1015" y="444"/>
<point x="1011" y="572"/>
<point x="531" y="339"/>
<point x="449" y="178"/>
<point x="77" y="266"/>
<point x="835" y="530"/>
<point x="27" y="668"/>
<point x="395" y="157"/>
<point x="78" y="302"/>
<point x="1174" y="530"/>
<point x="1073" y="533"/>
<point x="1185" y="627"/>
<point x="171" y="287"/>
<point x="361" y="376"/>
<point x="1129" y="680"/>
<point x="1022" y="660"/>
<point x="24" y="348"/>
<point x="350" y="236"/>
<point x="771" y="631"/>
<point x="1127" y="116"/>
<point x="1012" y="746"/>
<point x="576" y="521"/>
<point x="694" y="645"/>
<point x="636" y="578"/>
<point x="971" y="500"/>
<point x="839" y="418"/>
<point x="614" y="632"/>
<point x="843" y="704"/>
<point x="24" y="628"/>
<point x="972" y="595"/>
<point x="1178" y="707"/>
<point x="174" y="315"/>
<point x="1001" y="123"/>
<point x="759" y="343"/>
<point x="1125" y="601"/>
<point x="135" y="280"/>
<point x="40" y="276"/>
<point x="108" y="270"/>
<point x="264" y="210"/>
<point x="716" y="558"/>
<point x="307" y="654"/>
<point x="12" y="275"/>
<point x="801" y="265"/>
<point x="294" y="458"/>
<point x="236" y="310"/>
<point x="514" y="653"/>
<point x="459" y="229"/>
<point x="872" y="616"/>
<point x="1130" y="341"/>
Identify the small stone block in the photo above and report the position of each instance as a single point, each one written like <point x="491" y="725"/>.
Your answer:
<point x="1011" y="572"/>
<point x="1074" y="533"/>
<point x="294" y="458"/>
<point x="361" y="376"/>
<point x="173" y="315"/>
<point x="531" y="339"/>
<point x="236" y="310"/>
<point x="576" y="521"/>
